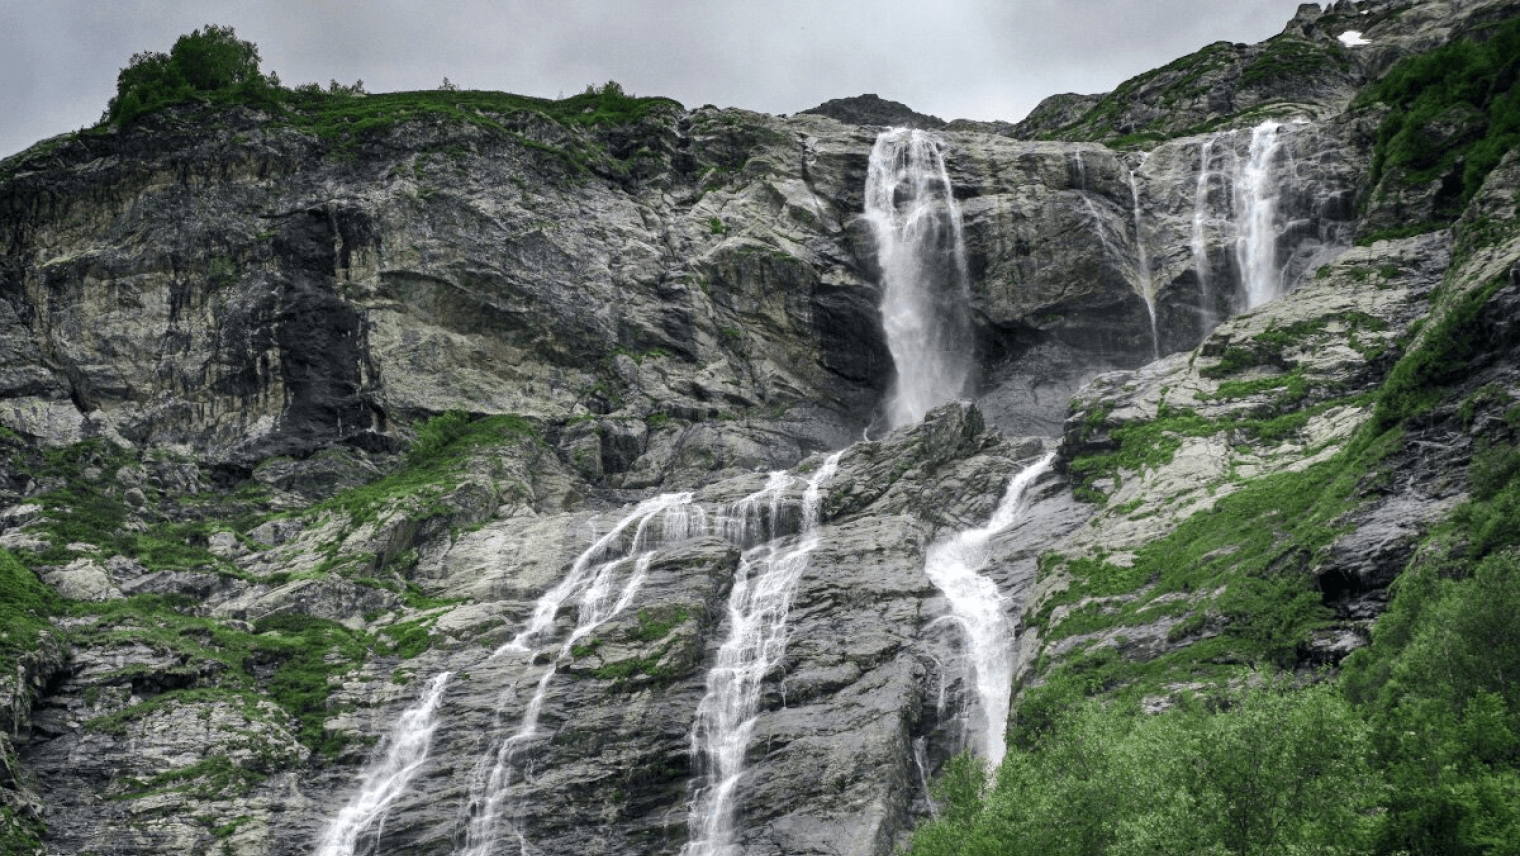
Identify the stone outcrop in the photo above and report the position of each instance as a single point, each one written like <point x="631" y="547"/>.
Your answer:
<point x="872" y="109"/>
<point x="1303" y="71"/>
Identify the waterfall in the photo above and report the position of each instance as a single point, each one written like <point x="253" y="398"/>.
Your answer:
<point x="587" y="566"/>
<point x="1200" y="238"/>
<point x="616" y="562"/>
<point x="922" y="254"/>
<point x="1145" y="285"/>
<point x="1109" y="250"/>
<point x="625" y="552"/>
<point x="399" y="759"/>
<point x="1255" y="214"/>
<point x="954" y="566"/>
<point x="757" y="612"/>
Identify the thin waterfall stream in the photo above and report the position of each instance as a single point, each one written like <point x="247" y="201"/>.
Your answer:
<point x="618" y="560"/>
<point x="1200" y="236"/>
<point x="603" y="580"/>
<point x="758" y="605"/>
<point x="955" y="567"/>
<point x="1256" y="191"/>
<point x="1145" y="281"/>
<point x="386" y="778"/>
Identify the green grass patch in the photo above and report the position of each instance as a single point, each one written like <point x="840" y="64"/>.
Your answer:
<point x="299" y="654"/>
<point x="311" y="651"/>
<point x="1418" y="380"/>
<point x="245" y="701"/>
<point x="26" y="607"/>
<point x="409" y="638"/>
<point x="1288" y="57"/>
<point x="656" y="623"/>
<point x="443" y="448"/>
<point x="1464" y="85"/>
<point x="216" y="777"/>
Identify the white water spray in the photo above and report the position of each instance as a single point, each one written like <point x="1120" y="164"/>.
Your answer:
<point x="1256" y="191"/>
<point x="400" y="757"/>
<point x="922" y="254"/>
<point x="758" y="606"/>
<point x="1145" y="283"/>
<point x="617" y="562"/>
<point x="954" y="566"/>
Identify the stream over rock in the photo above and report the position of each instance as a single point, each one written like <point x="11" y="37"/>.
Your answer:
<point x="691" y="482"/>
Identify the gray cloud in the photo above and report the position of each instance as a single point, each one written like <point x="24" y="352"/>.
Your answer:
<point x="979" y="59"/>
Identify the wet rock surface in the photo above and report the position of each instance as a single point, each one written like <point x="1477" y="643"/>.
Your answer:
<point x="222" y="353"/>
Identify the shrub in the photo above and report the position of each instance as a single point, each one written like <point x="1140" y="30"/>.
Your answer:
<point x="1462" y="83"/>
<point x="210" y="61"/>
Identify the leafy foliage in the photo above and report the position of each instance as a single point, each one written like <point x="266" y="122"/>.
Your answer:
<point x="1267" y="771"/>
<point x="25" y="607"/>
<point x="209" y="63"/>
<point x="1441" y="687"/>
<point x="1455" y="113"/>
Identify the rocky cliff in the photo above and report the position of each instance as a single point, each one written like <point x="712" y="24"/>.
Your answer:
<point x="401" y="471"/>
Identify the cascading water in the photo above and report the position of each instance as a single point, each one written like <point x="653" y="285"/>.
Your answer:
<point x="954" y="566"/>
<point x="399" y="759"/>
<point x="1145" y="283"/>
<point x="629" y="547"/>
<point x="1200" y="236"/>
<point x="1256" y="213"/>
<point x="757" y="613"/>
<point x="922" y="255"/>
<point x="1109" y="250"/>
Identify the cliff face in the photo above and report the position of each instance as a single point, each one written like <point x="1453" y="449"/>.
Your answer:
<point x="453" y="426"/>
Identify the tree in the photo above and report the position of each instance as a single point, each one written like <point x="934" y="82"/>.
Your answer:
<point x="211" y="61"/>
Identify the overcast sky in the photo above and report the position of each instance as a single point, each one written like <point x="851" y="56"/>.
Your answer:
<point x="974" y="59"/>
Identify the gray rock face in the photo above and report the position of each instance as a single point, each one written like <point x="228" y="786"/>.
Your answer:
<point x="250" y="327"/>
<point x="732" y="278"/>
<point x="873" y="110"/>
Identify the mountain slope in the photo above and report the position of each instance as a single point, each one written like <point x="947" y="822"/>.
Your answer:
<point x="342" y="427"/>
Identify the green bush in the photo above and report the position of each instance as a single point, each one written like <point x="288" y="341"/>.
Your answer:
<point x="210" y="62"/>
<point x="1268" y="771"/>
<point x="1462" y="85"/>
<point x="25" y="606"/>
<point x="1440" y="684"/>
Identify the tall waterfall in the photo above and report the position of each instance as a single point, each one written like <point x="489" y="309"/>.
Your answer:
<point x="1256" y="190"/>
<point x="758" y="605"/>
<point x="954" y="566"/>
<point x="387" y="778"/>
<point x="922" y="253"/>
